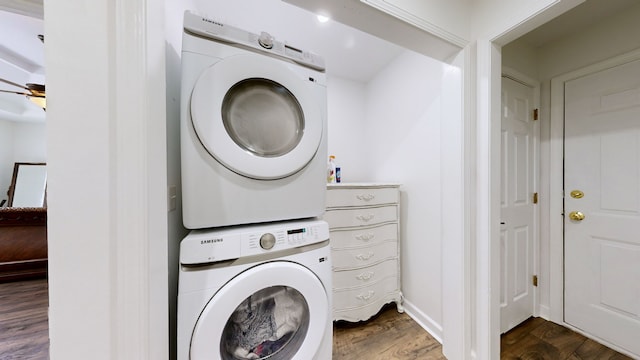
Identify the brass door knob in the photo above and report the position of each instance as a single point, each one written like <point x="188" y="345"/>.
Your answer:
<point x="576" y="215"/>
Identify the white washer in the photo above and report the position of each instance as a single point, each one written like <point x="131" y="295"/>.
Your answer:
<point x="253" y="127"/>
<point x="256" y="292"/>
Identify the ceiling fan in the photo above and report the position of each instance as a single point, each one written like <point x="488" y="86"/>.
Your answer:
<point x="33" y="92"/>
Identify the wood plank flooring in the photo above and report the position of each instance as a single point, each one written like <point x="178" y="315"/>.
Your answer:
<point x="24" y="325"/>
<point x="389" y="335"/>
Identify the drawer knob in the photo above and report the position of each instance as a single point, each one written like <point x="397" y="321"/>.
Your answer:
<point x="365" y="237"/>
<point x="366" y="296"/>
<point x="365" y="218"/>
<point x="364" y="257"/>
<point x="365" y="276"/>
<point x="366" y="197"/>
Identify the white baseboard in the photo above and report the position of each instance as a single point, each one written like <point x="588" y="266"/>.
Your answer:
<point x="544" y="312"/>
<point x="427" y="323"/>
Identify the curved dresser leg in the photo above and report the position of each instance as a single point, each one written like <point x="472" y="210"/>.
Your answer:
<point x="399" y="302"/>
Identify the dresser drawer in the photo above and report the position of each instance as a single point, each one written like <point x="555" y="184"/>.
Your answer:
<point x="347" y="259"/>
<point x="361" y="196"/>
<point x="342" y="218"/>
<point x="353" y="298"/>
<point x="363" y="236"/>
<point x="362" y="277"/>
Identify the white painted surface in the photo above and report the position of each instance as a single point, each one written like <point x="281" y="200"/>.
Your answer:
<point x="448" y="20"/>
<point x="602" y="159"/>
<point x="404" y="116"/>
<point x="107" y="214"/>
<point x="19" y="142"/>
<point x="518" y="229"/>
<point x="504" y="21"/>
<point x="346" y="107"/>
<point x="6" y="157"/>
<point x="383" y="24"/>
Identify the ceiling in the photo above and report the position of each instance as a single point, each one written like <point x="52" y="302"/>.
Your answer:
<point x="575" y="20"/>
<point x="21" y="61"/>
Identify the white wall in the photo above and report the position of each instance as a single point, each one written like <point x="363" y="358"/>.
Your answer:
<point x="19" y="142"/>
<point x="404" y="115"/>
<point x="6" y="157"/>
<point x="30" y="142"/>
<point x="346" y="111"/>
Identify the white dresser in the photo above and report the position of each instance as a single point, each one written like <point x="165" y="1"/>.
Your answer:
<point x="365" y="247"/>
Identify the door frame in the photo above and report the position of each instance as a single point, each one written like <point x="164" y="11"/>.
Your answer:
<point x="535" y="85"/>
<point x="556" y="173"/>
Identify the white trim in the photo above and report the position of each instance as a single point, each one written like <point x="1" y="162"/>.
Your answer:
<point x="456" y="292"/>
<point x="425" y="322"/>
<point x="487" y="212"/>
<point x="107" y="200"/>
<point x="556" y="295"/>
<point x="141" y="329"/>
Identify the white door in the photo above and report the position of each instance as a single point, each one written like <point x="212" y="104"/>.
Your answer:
<point x="602" y="183"/>
<point x="518" y="229"/>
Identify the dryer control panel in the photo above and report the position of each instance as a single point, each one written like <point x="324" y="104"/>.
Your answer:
<point x="262" y="43"/>
<point x="213" y="245"/>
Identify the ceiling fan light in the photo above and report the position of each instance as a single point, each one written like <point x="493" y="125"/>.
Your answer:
<point x="40" y="101"/>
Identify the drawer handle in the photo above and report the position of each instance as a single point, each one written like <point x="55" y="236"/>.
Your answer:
<point x="365" y="237"/>
<point x="365" y="218"/>
<point x="367" y="296"/>
<point x="366" y="197"/>
<point x="364" y="257"/>
<point x="365" y="276"/>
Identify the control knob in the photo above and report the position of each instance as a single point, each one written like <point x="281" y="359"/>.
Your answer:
<point x="267" y="241"/>
<point x="265" y="40"/>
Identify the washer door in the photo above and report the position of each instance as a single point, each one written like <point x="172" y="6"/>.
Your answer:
<point x="275" y="311"/>
<point x="256" y="116"/>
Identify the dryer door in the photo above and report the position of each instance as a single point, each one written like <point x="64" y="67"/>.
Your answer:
<point x="257" y="117"/>
<point x="277" y="310"/>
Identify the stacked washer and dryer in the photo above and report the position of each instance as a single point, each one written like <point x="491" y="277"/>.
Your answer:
<point x="255" y="270"/>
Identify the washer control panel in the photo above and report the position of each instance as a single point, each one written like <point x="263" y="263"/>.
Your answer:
<point x="207" y="246"/>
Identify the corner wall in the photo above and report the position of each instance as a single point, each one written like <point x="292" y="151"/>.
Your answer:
<point x="404" y="119"/>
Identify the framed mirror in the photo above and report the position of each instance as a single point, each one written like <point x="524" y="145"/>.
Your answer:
<point x="28" y="185"/>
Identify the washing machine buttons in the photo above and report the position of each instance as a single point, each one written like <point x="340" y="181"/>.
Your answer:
<point x="267" y="241"/>
<point x="265" y="40"/>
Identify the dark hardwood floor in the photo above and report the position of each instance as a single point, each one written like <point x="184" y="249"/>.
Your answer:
<point x="389" y="335"/>
<point x="24" y="325"/>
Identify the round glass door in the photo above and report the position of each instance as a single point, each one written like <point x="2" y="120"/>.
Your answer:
<point x="257" y="117"/>
<point x="276" y="311"/>
<point x="262" y="117"/>
<point x="270" y="324"/>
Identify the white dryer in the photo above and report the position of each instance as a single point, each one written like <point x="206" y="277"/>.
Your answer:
<point x="253" y="127"/>
<point x="256" y="292"/>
